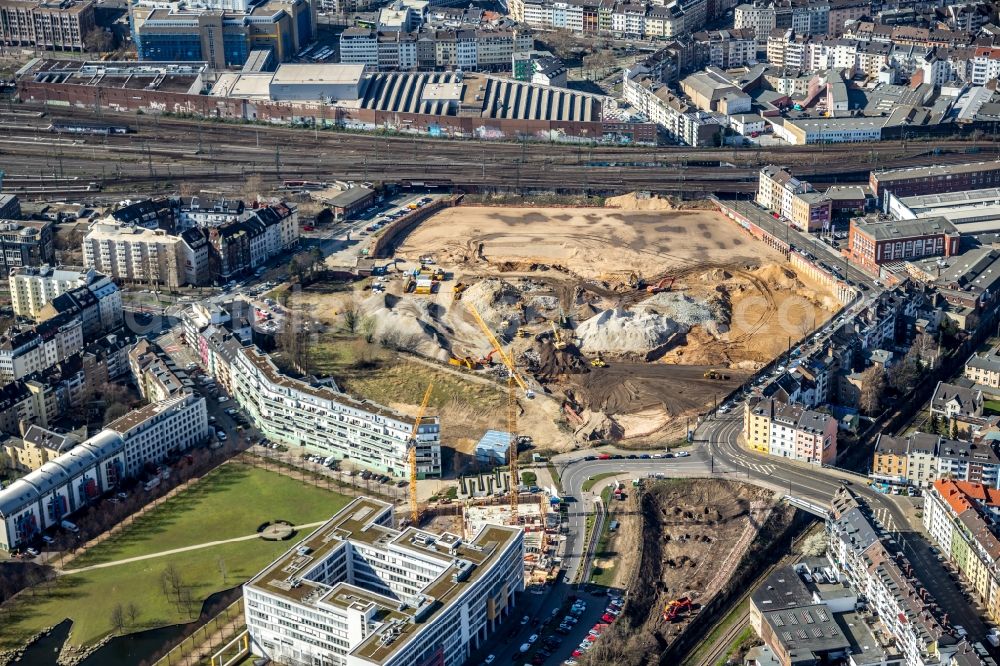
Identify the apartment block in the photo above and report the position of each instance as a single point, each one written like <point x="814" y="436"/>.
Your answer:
<point x="920" y="459"/>
<point x="50" y="24"/>
<point x="321" y="418"/>
<point x="25" y="351"/>
<point x="471" y="49"/>
<point x="134" y="254"/>
<point x="909" y="460"/>
<point x="25" y="243"/>
<point x="984" y="369"/>
<point x="153" y="371"/>
<point x="793" y="199"/>
<point x="963" y="520"/>
<point x="43" y="293"/>
<point x="359" y="592"/>
<point x="878" y="570"/>
<point x="32" y="287"/>
<point x="790" y="431"/>
<point x="239" y="247"/>
<point x="75" y="479"/>
<point x="34" y="448"/>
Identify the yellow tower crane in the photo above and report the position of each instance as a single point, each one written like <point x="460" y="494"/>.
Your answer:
<point x="513" y="380"/>
<point x="506" y="358"/>
<point x="414" y="508"/>
<point x="515" y="479"/>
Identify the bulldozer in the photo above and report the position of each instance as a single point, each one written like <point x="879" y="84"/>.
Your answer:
<point x="715" y="374"/>
<point x="673" y="610"/>
<point x="598" y="362"/>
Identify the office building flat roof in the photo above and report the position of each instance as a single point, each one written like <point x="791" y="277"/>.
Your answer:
<point x="329" y="74"/>
<point x="288" y="576"/>
<point x="935" y="170"/>
<point x="900" y="229"/>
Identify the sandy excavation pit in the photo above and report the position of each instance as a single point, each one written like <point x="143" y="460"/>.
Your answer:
<point x="733" y="306"/>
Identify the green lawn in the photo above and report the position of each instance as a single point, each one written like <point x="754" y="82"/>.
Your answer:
<point x="992" y="406"/>
<point x="597" y="478"/>
<point x="230" y="502"/>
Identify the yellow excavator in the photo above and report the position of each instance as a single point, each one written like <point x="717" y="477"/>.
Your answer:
<point x="598" y="362"/>
<point x="557" y="338"/>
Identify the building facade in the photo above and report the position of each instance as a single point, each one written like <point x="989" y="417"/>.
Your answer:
<point x="961" y="518"/>
<point x="358" y="592"/>
<point x="873" y="243"/>
<point x="51" y="24"/>
<point x="790" y="431"/>
<point x="75" y="479"/>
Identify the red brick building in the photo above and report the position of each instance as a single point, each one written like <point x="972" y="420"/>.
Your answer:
<point x="934" y="179"/>
<point x="872" y="243"/>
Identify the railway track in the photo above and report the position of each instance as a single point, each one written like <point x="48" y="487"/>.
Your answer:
<point x="165" y="151"/>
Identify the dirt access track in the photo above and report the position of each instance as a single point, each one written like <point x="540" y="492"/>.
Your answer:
<point x="695" y="533"/>
<point x="587" y="242"/>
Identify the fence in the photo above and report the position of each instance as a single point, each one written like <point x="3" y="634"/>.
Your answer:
<point x="214" y="633"/>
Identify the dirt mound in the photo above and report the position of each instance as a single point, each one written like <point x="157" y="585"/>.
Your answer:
<point x="406" y="323"/>
<point x="553" y="363"/>
<point x="624" y="332"/>
<point x="635" y="201"/>
<point x="499" y="304"/>
<point x="683" y="309"/>
<point x="778" y="276"/>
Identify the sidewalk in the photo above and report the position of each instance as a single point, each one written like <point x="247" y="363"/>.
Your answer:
<point x="164" y="553"/>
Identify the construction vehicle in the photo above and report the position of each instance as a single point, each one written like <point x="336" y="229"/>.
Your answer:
<point x="522" y="332"/>
<point x="666" y="284"/>
<point x="673" y="610"/>
<point x="557" y="339"/>
<point x="414" y="508"/>
<point x="506" y="358"/>
<point x="465" y="362"/>
<point x="424" y="286"/>
<point x="458" y="288"/>
<point x="598" y="362"/>
<point x="715" y="374"/>
<point x="630" y="278"/>
<point x="409" y="284"/>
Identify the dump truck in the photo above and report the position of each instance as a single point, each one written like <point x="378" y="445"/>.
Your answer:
<point x="458" y="288"/>
<point x="598" y="362"/>
<point x="715" y="374"/>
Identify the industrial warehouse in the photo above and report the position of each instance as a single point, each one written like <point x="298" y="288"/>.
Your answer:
<point x="452" y="104"/>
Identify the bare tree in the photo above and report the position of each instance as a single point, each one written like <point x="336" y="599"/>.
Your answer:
<point x="368" y="326"/>
<point x="98" y="40"/>
<point x="132" y="612"/>
<point x="118" y="619"/>
<point x="352" y="316"/>
<point x="872" y="390"/>
<point x="172" y="582"/>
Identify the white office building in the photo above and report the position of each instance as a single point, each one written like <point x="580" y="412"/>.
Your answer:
<point x="357" y="592"/>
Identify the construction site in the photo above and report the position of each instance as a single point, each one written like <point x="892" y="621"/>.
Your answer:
<point x="624" y="322"/>
<point x="688" y="541"/>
